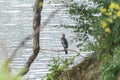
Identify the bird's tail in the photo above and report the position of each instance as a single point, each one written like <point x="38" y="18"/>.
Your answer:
<point x="66" y="52"/>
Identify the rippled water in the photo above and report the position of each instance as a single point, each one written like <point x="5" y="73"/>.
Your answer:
<point x="16" y="23"/>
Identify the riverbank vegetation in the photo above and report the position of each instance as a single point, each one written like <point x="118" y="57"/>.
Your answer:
<point x="98" y="20"/>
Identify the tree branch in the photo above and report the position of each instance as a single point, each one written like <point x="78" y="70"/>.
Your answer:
<point x="62" y="51"/>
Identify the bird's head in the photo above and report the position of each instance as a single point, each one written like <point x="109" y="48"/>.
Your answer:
<point x="63" y="35"/>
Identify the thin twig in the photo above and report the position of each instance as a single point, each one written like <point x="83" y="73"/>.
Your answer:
<point x="18" y="47"/>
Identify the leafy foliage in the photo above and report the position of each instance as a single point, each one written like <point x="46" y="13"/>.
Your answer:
<point x="6" y="74"/>
<point x="86" y="21"/>
<point x="58" y="66"/>
<point x="101" y="21"/>
<point x="110" y="66"/>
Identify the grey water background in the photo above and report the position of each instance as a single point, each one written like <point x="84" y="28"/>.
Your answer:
<point x="16" y="18"/>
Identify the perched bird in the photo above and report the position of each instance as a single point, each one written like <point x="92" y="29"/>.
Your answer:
<point x="64" y="43"/>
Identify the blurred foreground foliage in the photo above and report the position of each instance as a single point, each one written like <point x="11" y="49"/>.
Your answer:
<point x="6" y="73"/>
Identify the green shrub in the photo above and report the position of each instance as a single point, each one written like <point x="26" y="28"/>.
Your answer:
<point x="58" y="66"/>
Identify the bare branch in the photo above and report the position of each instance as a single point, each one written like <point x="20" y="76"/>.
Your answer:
<point x="62" y="51"/>
<point x="53" y="50"/>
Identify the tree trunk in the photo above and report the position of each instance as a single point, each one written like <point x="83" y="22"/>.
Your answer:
<point x="36" y="27"/>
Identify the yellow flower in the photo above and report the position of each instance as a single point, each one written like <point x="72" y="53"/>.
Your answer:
<point x="118" y="14"/>
<point x="103" y="10"/>
<point x="104" y="24"/>
<point x="109" y="13"/>
<point x="117" y="6"/>
<point x="107" y="30"/>
<point x="112" y="6"/>
<point x="110" y="20"/>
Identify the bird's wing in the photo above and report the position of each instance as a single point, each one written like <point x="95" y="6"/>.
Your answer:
<point x="64" y="42"/>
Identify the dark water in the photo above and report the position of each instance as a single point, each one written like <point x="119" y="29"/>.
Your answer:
<point x="16" y="23"/>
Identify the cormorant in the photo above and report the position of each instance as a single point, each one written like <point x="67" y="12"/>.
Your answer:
<point x="64" y="43"/>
